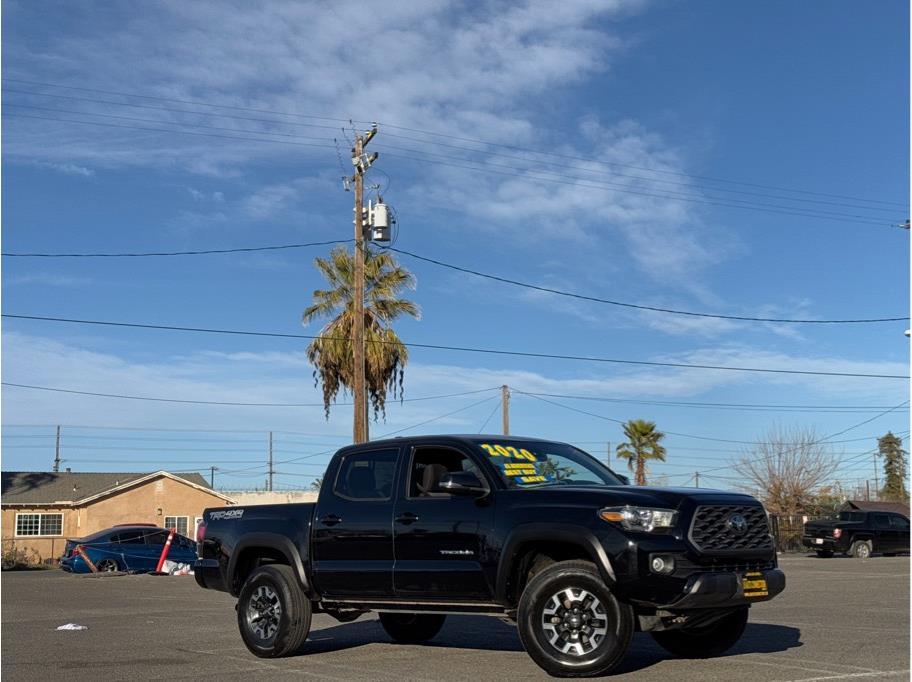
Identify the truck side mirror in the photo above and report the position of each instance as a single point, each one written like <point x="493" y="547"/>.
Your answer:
<point x="624" y="479"/>
<point x="461" y="483"/>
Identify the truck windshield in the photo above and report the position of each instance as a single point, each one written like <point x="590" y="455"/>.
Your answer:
<point x="535" y="463"/>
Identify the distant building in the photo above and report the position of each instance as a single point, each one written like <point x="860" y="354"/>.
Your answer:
<point x="40" y="509"/>
<point x="247" y="498"/>
<point x="862" y="505"/>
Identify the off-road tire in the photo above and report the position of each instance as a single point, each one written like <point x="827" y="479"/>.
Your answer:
<point x="861" y="549"/>
<point x="544" y="636"/>
<point x="287" y="626"/>
<point x="713" y="640"/>
<point x="411" y="628"/>
<point x="824" y="553"/>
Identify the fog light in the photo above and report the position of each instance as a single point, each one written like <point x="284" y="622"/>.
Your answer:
<point x="662" y="564"/>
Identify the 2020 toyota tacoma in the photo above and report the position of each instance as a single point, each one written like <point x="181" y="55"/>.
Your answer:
<point x="535" y="532"/>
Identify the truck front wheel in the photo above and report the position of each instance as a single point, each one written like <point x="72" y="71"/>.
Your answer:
<point x="273" y="612"/>
<point x="705" y="642"/>
<point x="411" y="628"/>
<point x="571" y="624"/>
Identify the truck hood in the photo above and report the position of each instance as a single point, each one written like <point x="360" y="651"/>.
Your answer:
<point x="665" y="498"/>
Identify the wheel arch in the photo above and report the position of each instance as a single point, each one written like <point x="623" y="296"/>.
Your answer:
<point x="557" y="542"/>
<point x="275" y="548"/>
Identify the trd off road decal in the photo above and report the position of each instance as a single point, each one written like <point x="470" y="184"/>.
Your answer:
<point x="230" y="514"/>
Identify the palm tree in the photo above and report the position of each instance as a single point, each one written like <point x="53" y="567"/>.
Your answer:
<point x="385" y="356"/>
<point x="642" y="445"/>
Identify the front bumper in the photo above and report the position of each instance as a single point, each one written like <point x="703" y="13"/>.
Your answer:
<point x="724" y="589"/>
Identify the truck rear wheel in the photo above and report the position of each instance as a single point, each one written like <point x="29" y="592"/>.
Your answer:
<point x="411" y="628"/>
<point x="273" y="612"/>
<point x="571" y="624"/>
<point x="861" y="549"/>
<point x="705" y="642"/>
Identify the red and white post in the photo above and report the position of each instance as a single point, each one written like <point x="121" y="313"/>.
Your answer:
<point x="165" y="550"/>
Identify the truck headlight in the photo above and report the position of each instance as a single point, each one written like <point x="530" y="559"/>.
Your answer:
<point x="642" y="519"/>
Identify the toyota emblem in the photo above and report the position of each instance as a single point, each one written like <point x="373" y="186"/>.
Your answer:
<point x="737" y="524"/>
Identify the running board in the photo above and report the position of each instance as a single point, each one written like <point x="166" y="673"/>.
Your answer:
<point x="475" y="608"/>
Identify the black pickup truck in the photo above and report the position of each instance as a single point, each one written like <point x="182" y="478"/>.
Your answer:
<point x="858" y="534"/>
<point x="535" y="532"/>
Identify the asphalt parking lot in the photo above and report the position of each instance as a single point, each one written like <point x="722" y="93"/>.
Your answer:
<point x="839" y="619"/>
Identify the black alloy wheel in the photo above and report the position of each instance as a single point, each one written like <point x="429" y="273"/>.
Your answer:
<point x="273" y="612"/>
<point x="571" y="624"/>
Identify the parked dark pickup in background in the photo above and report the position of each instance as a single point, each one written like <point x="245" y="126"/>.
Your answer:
<point x="858" y="534"/>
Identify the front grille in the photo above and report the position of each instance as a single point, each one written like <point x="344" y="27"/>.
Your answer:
<point x="685" y="567"/>
<point x="712" y="529"/>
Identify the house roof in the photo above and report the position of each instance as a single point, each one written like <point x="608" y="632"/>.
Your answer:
<point x="44" y="487"/>
<point x="862" y="505"/>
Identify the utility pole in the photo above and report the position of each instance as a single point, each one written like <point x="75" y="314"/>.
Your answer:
<point x="505" y="408"/>
<point x="269" y="477"/>
<point x="696" y="479"/>
<point x="876" y="480"/>
<point x="867" y="491"/>
<point x="57" y="452"/>
<point x="608" y="458"/>
<point x="212" y="477"/>
<point x="361" y="163"/>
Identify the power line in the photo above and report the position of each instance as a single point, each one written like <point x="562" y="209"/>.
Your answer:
<point x="826" y="439"/>
<point x="637" y="306"/>
<point x="763" y="407"/>
<point x="437" y="134"/>
<point x="437" y="418"/>
<point x="486" y="168"/>
<point x="463" y="349"/>
<point x="437" y="143"/>
<point x="150" y="254"/>
<point x="172" y="130"/>
<point x="504" y="280"/>
<point x="688" y="435"/>
<point x="279" y="247"/>
<point x="218" y="402"/>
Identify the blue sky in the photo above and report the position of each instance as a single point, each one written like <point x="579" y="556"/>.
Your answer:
<point x="650" y="121"/>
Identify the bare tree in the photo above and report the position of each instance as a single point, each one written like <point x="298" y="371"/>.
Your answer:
<point x="787" y="468"/>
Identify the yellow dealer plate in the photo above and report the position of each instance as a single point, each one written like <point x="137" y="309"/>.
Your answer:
<point x="754" y="585"/>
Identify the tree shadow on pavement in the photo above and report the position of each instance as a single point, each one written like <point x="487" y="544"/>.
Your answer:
<point x="483" y="633"/>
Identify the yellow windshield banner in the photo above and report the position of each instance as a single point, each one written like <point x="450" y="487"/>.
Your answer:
<point x="508" y="451"/>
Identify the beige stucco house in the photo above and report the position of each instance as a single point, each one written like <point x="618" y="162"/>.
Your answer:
<point x="40" y="509"/>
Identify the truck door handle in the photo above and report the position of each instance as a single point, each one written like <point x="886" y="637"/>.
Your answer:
<point x="331" y="520"/>
<point x="407" y="518"/>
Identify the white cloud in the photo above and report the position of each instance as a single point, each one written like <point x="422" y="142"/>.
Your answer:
<point x="286" y="377"/>
<point x="72" y="169"/>
<point x="47" y="279"/>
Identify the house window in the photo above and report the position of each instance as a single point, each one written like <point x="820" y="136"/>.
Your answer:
<point x="179" y="523"/>
<point x="39" y="524"/>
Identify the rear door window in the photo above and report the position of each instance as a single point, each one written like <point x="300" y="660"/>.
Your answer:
<point x="899" y="522"/>
<point x="881" y="521"/>
<point x="129" y="537"/>
<point x="367" y="475"/>
<point x="158" y="537"/>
